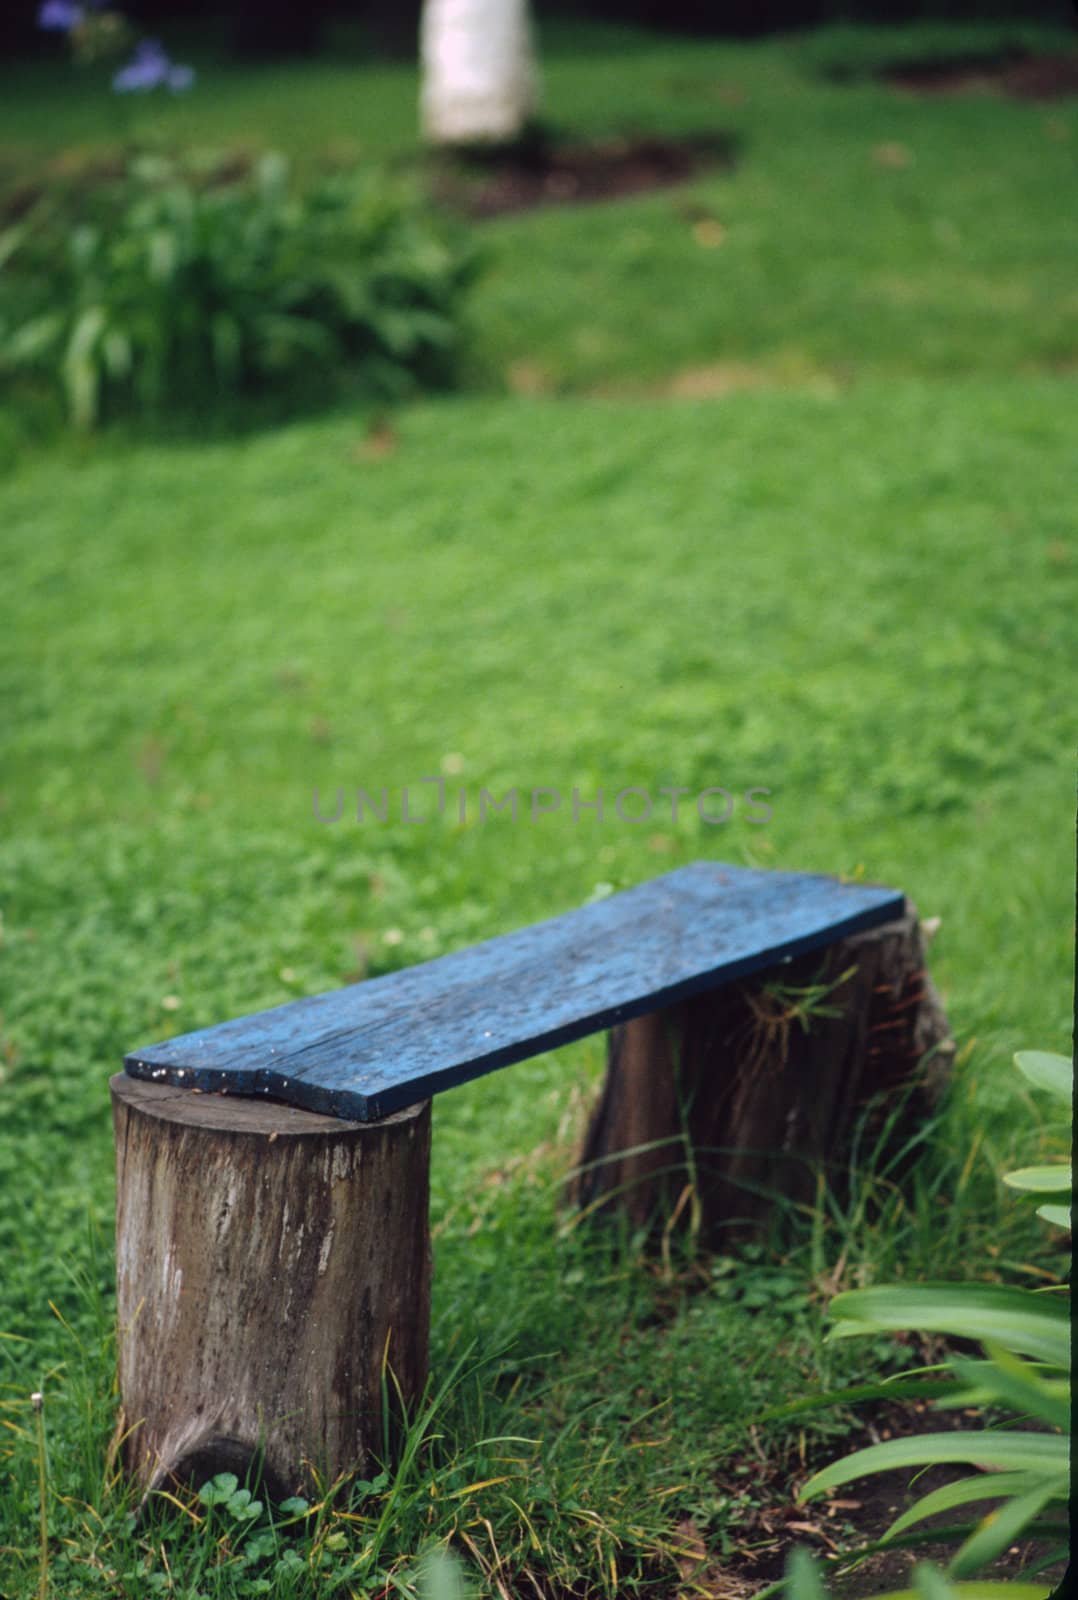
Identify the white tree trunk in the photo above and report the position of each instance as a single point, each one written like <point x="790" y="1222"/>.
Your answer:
<point x="480" y="79"/>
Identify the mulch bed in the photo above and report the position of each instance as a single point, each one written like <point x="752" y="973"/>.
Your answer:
<point x="1010" y="72"/>
<point x="857" y="1515"/>
<point x="547" y="174"/>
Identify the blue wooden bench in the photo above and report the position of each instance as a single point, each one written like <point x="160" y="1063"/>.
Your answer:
<point x="273" y="1170"/>
<point x="375" y="1047"/>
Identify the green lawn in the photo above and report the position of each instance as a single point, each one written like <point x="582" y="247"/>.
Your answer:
<point x="847" y="573"/>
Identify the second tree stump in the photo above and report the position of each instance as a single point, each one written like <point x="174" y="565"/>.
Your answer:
<point x="720" y="1103"/>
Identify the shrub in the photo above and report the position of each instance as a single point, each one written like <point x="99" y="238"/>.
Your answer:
<point x="158" y="289"/>
<point x="1024" y="1370"/>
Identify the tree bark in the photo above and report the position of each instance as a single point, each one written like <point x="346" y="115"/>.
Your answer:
<point x="480" y="79"/>
<point x="268" y="1261"/>
<point x="713" y="1108"/>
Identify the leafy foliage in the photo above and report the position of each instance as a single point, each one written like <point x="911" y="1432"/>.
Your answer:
<point x="805" y="1583"/>
<point x="1053" y="1074"/>
<point x="165" y="287"/>
<point x="1025" y="1372"/>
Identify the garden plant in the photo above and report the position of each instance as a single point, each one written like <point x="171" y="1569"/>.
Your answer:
<point x="1024" y="1371"/>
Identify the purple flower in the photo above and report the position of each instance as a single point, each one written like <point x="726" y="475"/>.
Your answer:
<point x="59" y="16"/>
<point x="147" y="68"/>
<point x="150" y="68"/>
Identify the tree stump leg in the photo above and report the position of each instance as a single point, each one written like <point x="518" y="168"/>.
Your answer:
<point x="268" y="1262"/>
<point x="740" y="1094"/>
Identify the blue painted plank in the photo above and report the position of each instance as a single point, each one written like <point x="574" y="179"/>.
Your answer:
<point x="378" y="1046"/>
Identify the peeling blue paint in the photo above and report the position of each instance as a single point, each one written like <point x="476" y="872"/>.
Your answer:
<point x="376" y="1047"/>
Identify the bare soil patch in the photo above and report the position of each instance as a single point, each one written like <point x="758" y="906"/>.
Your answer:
<point x="855" y="1517"/>
<point x="547" y="173"/>
<point x="1010" y="72"/>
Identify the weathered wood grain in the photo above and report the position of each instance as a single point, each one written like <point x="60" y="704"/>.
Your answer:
<point x="739" y="1100"/>
<point x="364" y="1051"/>
<point x="267" y="1260"/>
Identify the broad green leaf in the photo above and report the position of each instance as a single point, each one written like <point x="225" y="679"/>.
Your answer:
<point x="993" y="1589"/>
<point x="930" y="1583"/>
<point x="803" y="1581"/>
<point x="975" y="1386"/>
<point x="10" y="241"/>
<point x="441" y="1577"/>
<point x="985" y="1486"/>
<point x="987" y="1394"/>
<point x="81" y="383"/>
<point x="89" y="326"/>
<point x="1005" y="1377"/>
<point x="1047" y="1071"/>
<point x="118" y="354"/>
<point x="33" y="338"/>
<point x="999" y="1529"/>
<point x="1021" y="1320"/>
<point x="164" y="254"/>
<point x="1032" y="1452"/>
<point x="1059" y="1215"/>
<point x="81" y="376"/>
<point x="1040" y="1180"/>
<point x="83" y="244"/>
<point x="852" y="1328"/>
<point x="272" y="174"/>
